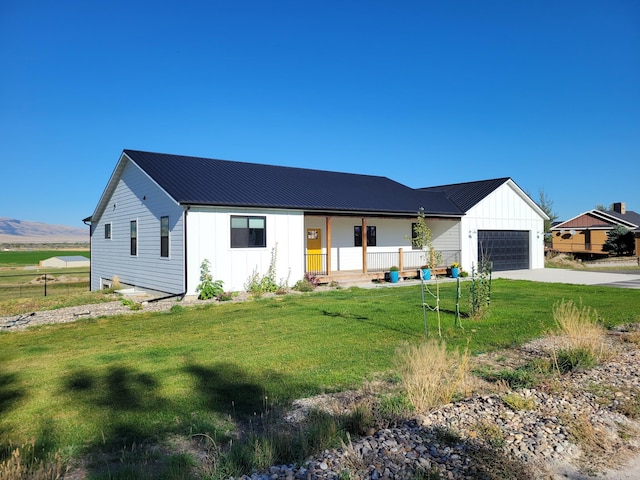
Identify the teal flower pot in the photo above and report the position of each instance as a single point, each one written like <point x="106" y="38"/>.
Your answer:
<point x="394" y="276"/>
<point x="426" y="273"/>
<point x="455" y="271"/>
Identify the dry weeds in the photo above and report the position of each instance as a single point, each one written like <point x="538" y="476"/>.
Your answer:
<point x="431" y="375"/>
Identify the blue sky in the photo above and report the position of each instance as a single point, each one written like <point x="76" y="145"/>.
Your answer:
<point x="423" y="92"/>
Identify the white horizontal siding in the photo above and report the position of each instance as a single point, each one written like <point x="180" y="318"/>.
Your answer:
<point x="136" y="197"/>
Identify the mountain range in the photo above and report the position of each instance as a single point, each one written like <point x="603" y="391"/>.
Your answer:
<point x="22" y="231"/>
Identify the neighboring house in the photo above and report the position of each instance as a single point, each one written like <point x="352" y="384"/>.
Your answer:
<point x="585" y="234"/>
<point x="68" y="261"/>
<point x="160" y="216"/>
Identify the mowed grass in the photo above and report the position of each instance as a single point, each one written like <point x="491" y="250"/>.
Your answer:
<point x="110" y="383"/>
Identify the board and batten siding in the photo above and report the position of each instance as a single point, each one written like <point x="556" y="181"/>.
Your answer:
<point x="209" y="238"/>
<point x="503" y="209"/>
<point x="137" y="197"/>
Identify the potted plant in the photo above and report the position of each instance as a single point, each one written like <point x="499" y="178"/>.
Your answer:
<point x="455" y="269"/>
<point x="394" y="274"/>
<point x="425" y="271"/>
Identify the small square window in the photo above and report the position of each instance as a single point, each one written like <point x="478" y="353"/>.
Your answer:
<point x="371" y="236"/>
<point x="247" y="232"/>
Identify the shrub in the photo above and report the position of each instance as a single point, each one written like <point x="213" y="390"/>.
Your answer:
<point x="431" y="375"/>
<point x="127" y="302"/>
<point x="303" y="286"/>
<point x="480" y="290"/>
<point x="208" y="287"/>
<point x="257" y="285"/>
<point x="570" y="359"/>
<point x="517" y="402"/>
<point x="226" y="296"/>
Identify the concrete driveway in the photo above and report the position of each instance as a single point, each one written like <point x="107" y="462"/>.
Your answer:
<point x="576" y="277"/>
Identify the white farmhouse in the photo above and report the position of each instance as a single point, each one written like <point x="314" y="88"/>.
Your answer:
<point x="160" y="216"/>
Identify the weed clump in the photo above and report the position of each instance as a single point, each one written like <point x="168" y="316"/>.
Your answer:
<point x="431" y="375"/>
<point x="26" y="463"/>
<point x="579" y="337"/>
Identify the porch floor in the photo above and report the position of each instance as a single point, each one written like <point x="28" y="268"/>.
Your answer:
<point x="357" y="276"/>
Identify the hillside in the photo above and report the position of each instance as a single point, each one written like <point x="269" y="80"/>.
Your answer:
<point x="13" y="231"/>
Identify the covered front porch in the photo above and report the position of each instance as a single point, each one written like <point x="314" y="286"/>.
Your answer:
<point x="338" y="249"/>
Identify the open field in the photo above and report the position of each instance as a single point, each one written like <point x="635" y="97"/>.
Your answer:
<point x="21" y="278"/>
<point x="106" y="385"/>
<point x="22" y="258"/>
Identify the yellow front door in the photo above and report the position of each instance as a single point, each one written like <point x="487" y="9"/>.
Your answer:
<point x="314" y="250"/>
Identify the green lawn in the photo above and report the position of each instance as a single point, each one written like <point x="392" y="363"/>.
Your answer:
<point x="109" y="383"/>
<point x="15" y="258"/>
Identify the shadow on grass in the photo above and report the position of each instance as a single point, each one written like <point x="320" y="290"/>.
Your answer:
<point x="229" y="390"/>
<point x="132" y="413"/>
<point x="10" y="392"/>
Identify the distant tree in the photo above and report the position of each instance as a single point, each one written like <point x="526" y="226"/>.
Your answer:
<point x="620" y="241"/>
<point x="600" y="207"/>
<point x="547" y="207"/>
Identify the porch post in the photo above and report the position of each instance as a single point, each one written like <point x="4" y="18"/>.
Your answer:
<point x="364" y="245"/>
<point x="401" y="259"/>
<point x="328" y="229"/>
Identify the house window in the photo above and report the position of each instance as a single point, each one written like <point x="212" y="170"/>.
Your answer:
<point x="248" y="232"/>
<point x="107" y="230"/>
<point x="133" y="235"/>
<point x="164" y="236"/>
<point x="357" y="236"/>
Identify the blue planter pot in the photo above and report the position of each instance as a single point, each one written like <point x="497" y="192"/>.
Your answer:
<point x="426" y="273"/>
<point x="394" y="276"/>
<point x="455" y="272"/>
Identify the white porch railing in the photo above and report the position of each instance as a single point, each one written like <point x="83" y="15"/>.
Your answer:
<point x="380" y="261"/>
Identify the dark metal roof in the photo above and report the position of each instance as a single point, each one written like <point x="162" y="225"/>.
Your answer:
<point x="466" y="195"/>
<point x="629" y="216"/>
<point x="205" y="181"/>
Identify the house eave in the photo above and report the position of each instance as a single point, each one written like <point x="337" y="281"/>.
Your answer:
<point x="328" y="212"/>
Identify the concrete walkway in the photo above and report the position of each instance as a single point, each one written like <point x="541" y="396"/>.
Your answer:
<point x="576" y="277"/>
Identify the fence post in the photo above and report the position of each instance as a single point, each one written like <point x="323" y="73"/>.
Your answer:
<point x="45" y="284"/>
<point x="401" y="260"/>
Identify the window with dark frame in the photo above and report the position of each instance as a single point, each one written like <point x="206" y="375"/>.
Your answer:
<point x="248" y="232"/>
<point x="133" y="235"/>
<point x="107" y="230"/>
<point x="164" y="236"/>
<point x="357" y="236"/>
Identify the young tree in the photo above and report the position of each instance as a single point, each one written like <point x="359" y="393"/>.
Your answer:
<point x="620" y="241"/>
<point x="547" y="207"/>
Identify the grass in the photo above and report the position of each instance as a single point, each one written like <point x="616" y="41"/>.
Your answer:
<point x="431" y="375"/>
<point x="21" y="306"/>
<point x="102" y="386"/>
<point x="18" y="258"/>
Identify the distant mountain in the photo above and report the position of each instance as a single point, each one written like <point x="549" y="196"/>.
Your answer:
<point x="22" y="231"/>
